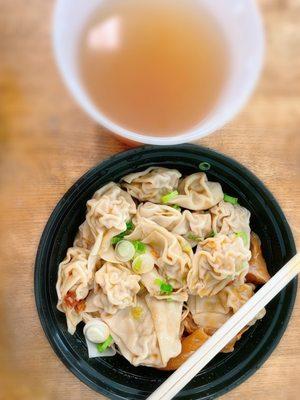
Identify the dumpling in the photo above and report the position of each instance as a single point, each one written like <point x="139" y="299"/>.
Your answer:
<point x="194" y="226"/>
<point x="149" y="280"/>
<point x="84" y="237"/>
<point x="134" y="333"/>
<point x="163" y="215"/>
<point x="217" y="262"/>
<point x="118" y="287"/>
<point x="187" y="224"/>
<point x="173" y="262"/>
<point x="110" y="208"/>
<point x="151" y="184"/>
<point x="211" y="312"/>
<point x="166" y="317"/>
<point x="197" y="193"/>
<point x="147" y="334"/>
<point x="73" y="285"/>
<point x="228" y="218"/>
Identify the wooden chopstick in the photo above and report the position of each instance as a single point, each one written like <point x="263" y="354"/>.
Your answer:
<point x="227" y="332"/>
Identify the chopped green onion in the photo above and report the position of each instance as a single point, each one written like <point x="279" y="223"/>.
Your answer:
<point x="137" y="265"/>
<point x="176" y="206"/>
<point x="168" y="197"/>
<point x="120" y="236"/>
<point x="140" y="247"/>
<point x="129" y="226"/>
<point x="211" y="235"/>
<point x="194" y="238"/>
<point x="125" y="250"/>
<point x="103" y="346"/>
<point x="204" y="166"/>
<point x="244" y="236"/>
<point x="143" y="264"/>
<point x="117" y="239"/>
<point x="230" y="199"/>
<point x="165" y="288"/>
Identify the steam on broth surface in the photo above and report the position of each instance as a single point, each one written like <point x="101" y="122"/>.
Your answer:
<point x="155" y="67"/>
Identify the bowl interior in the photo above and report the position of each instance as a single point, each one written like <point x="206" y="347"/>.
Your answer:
<point x="115" y="377"/>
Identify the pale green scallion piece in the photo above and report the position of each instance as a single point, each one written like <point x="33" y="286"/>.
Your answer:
<point x="125" y="250"/>
<point x="143" y="263"/>
<point x="105" y="345"/>
<point x="169" y="196"/>
<point x="230" y="199"/>
<point x="204" y="166"/>
<point x="165" y="288"/>
<point x="244" y="236"/>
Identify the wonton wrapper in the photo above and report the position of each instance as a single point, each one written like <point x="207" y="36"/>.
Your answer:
<point x="110" y="207"/>
<point x="107" y="214"/>
<point x="75" y="279"/>
<point x="163" y="215"/>
<point x="151" y="184"/>
<point x="228" y="218"/>
<point x="195" y="223"/>
<point x="118" y="287"/>
<point x="147" y="340"/>
<point x="211" y="312"/>
<point x="185" y="223"/>
<point x="135" y="337"/>
<point x="217" y="262"/>
<point x="167" y="319"/>
<point x="197" y="193"/>
<point x="172" y="261"/>
<point x="148" y="280"/>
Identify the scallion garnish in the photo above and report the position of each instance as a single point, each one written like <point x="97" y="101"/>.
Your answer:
<point x="120" y="236"/>
<point x="129" y="226"/>
<point x="125" y="250"/>
<point x="143" y="263"/>
<point x="117" y="239"/>
<point x="194" y="238"/>
<point x="139" y="246"/>
<point x="211" y="235"/>
<point x="137" y="265"/>
<point x="204" y="166"/>
<point x="103" y="346"/>
<point x="168" y="197"/>
<point x="176" y="206"/>
<point x="230" y="199"/>
<point x="244" y="236"/>
<point x="165" y="288"/>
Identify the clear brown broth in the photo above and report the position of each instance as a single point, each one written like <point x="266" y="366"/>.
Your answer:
<point x="156" y="67"/>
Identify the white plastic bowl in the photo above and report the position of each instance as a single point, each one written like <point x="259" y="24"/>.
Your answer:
<point x="242" y="25"/>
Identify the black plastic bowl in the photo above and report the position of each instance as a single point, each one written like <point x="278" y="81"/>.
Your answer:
<point x="115" y="377"/>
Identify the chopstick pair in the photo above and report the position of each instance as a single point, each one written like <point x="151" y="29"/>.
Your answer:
<point x="227" y="332"/>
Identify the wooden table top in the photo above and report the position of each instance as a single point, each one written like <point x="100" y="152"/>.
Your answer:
<point x="47" y="142"/>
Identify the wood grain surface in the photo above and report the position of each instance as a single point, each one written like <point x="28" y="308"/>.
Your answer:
<point x="47" y="142"/>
